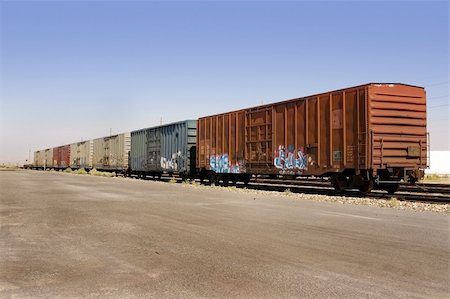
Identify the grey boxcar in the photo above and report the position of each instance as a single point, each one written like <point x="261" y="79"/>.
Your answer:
<point x="168" y="148"/>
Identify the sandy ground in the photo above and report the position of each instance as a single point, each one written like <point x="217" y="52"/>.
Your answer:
<point x="66" y="235"/>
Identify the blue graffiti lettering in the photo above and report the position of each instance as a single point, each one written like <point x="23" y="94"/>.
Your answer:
<point x="221" y="164"/>
<point x="286" y="160"/>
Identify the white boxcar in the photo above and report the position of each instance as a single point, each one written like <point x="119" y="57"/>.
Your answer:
<point x="38" y="159"/>
<point x="111" y="152"/>
<point x="43" y="158"/>
<point x="81" y="154"/>
<point x="48" y="157"/>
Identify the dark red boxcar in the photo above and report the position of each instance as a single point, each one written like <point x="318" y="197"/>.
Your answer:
<point x="358" y="135"/>
<point x="61" y="156"/>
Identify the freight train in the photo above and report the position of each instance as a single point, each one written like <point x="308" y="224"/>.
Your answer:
<point x="363" y="137"/>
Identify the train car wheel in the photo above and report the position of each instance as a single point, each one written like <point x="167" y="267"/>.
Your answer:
<point x="391" y="189"/>
<point x="412" y="179"/>
<point x="225" y="179"/>
<point x="338" y="182"/>
<point x="365" y="186"/>
<point x="213" y="179"/>
<point x="184" y="177"/>
<point x="246" y="180"/>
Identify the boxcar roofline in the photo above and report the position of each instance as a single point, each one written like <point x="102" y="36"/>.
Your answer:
<point x="109" y="136"/>
<point x="310" y="96"/>
<point x="161" y="126"/>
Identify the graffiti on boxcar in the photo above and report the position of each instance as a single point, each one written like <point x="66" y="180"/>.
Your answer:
<point x="222" y="164"/>
<point x="175" y="162"/>
<point x="290" y="159"/>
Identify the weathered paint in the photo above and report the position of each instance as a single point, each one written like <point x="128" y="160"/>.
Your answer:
<point x="290" y="160"/>
<point x="163" y="148"/>
<point x="38" y="158"/>
<point x="222" y="164"/>
<point x="43" y="158"/>
<point x="81" y="154"/>
<point x="221" y="143"/>
<point x="397" y="120"/>
<point x="372" y="126"/>
<point x="61" y="156"/>
<point x="48" y="158"/>
<point x="111" y="152"/>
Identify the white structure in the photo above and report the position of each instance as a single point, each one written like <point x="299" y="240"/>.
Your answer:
<point x="439" y="162"/>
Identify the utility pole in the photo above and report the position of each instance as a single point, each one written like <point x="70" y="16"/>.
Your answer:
<point x="160" y="121"/>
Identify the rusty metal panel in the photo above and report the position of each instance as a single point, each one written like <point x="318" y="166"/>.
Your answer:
<point x="61" y="156"/>
<point x="259" y="144"/>
<point x="345" y="129"/>
<point x="289" y="137"/>
<point x="221" y="142"/>
<point x="324" y="133"/>
<point x="81" y="154"/>
<point x="111" y="152"/>
<point x="349" y="130"/>
<point x="397" y="117"/>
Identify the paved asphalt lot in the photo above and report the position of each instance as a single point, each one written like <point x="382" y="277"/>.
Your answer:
<point x="66" y="235"/>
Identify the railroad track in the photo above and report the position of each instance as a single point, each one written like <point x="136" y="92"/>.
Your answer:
<point x="429" y="193"/>
<point x="429" y="188"/>
<point x="404" y="187"/>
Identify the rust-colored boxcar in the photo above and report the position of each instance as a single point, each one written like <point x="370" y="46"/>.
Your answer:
<point x="221" y="143"/>
<point x="373" y="133"/>
<point x="61" y="156"/>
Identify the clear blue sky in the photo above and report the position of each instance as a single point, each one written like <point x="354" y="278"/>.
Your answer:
<point x="73" y="70"/>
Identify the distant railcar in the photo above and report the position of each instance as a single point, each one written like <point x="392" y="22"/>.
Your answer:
<point x="81" y="154"/>
<point x="48" y="158"/>
<point x="38" y="158"/>
<point x="164" y="149"/>
<point x="43" y="159"/>
<point x="361" y="137"/>
<point x="111" y="153"/>
<point x="61" y="157"/>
